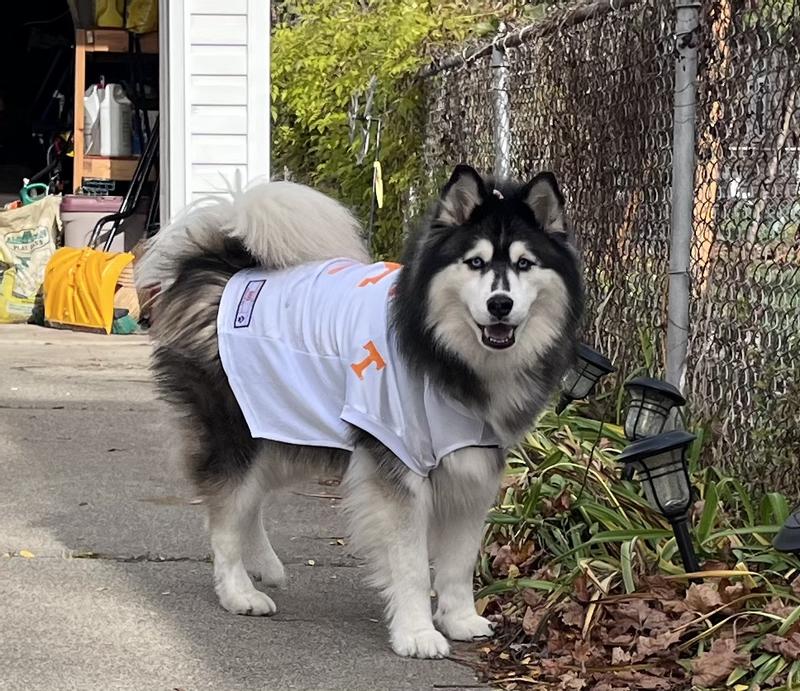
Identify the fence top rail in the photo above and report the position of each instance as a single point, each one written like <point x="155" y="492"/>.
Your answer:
<point x="576" y="14"/>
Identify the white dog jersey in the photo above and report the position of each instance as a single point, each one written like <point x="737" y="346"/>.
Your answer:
<point x="308" y="352"/>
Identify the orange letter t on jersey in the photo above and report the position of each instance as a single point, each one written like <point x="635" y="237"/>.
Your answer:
<point x="374" y="358"/>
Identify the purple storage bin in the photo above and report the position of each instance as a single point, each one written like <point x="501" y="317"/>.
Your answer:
<point x="80" y="213"/>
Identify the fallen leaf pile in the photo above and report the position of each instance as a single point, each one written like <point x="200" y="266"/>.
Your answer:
<point x="652" y="639"/>
<point x="585" y="584"/>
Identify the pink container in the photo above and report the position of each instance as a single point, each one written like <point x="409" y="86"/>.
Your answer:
<point x="84" y="203"/>
<point x="80" y="213"/>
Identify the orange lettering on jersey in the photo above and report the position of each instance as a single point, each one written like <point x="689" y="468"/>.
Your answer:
<point x="341" y="266"/>
<point x="374" y="358"/>
<point x="389" y="267"/>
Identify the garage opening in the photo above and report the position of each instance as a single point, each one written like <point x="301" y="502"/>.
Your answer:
<point x="36" y="92"/>
<point x="79" y="112"/>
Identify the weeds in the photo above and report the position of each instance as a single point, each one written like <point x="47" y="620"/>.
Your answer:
<point x="584" y="580"/>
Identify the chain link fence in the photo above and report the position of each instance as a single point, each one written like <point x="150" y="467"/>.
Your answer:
<point x="590" y="95"/>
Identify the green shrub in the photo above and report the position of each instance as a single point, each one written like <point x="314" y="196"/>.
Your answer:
<point x="326" y="50"/>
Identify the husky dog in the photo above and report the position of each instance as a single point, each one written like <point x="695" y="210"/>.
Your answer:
<point x="474" y="330"/>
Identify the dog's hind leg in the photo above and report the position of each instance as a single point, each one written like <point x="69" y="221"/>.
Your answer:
<point x="259" y="558"/>
<point x="231" y="516"/>
<point x="389" y="523"/>
<point x="464" y="486"/>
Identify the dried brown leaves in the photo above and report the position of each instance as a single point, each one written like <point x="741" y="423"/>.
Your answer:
<point x="635" y="641"/>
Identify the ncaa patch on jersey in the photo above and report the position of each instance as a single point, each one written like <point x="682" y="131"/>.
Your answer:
<point x="244" y="310"/>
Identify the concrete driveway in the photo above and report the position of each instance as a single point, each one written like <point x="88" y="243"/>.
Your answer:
<point x="105" y="576"/>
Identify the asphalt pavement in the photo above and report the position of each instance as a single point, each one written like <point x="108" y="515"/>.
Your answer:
<point x="105" y="571"/>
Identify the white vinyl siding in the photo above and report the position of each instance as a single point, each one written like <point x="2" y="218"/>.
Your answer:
<point x="208" y="179"/>
<point x="218" y="30"/>
<point x="208" y="59"/>
<point x="223" y="113"/>
<point x="218" y="90"/>
<point x="216" y="7"/>
<point x="219" y="148"/>
<point x="218" y="120"/>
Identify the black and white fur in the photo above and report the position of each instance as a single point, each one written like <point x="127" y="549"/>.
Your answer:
<point x="487" y="306"/>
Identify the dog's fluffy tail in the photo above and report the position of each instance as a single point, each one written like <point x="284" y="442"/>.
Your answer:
<point x="278" y="224"/>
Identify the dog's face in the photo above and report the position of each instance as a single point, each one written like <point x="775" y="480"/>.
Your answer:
<point x="504" y="274"/>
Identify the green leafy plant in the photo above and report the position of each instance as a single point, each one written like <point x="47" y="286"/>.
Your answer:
<point x="325" y="50"/>
<point x="585" y="581"/>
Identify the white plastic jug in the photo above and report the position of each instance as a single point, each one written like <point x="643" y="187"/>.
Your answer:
<point x="91" y="120"/>
<point x="115" y="122"/>
<point x="107" y="121"/>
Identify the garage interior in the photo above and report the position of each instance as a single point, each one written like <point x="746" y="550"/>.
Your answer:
<point x="65" y="50"/>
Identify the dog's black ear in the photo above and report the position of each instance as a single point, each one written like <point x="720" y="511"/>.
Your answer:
<point x="544" y="198"/>
<point x="464" y="192"/>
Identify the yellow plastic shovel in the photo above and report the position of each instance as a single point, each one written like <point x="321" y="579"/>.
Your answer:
<point x="79" y="288"/>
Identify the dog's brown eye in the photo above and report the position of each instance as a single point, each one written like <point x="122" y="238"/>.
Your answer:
<point x="475" y="263"/>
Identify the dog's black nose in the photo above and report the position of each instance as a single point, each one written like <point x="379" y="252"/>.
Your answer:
<point x="499" y="305"/>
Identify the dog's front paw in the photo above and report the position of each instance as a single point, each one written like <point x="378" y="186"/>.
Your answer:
<point x="466" y="627"/>
<point x="253" y="602"/>
<point x="428" y="643"/>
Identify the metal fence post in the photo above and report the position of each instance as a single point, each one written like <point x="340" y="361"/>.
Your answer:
<point x="501" y="111"/>
<point x="683" y="167"/>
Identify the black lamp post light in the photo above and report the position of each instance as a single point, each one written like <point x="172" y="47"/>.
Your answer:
<point x="651" y="402"/>
<point x="582" y="377"/>
<point x="788" y="537"/>
<point x="660" y="463"/>
<point x="658" y="457"/>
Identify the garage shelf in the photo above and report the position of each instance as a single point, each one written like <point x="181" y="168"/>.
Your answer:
<point x="100" y="41"/>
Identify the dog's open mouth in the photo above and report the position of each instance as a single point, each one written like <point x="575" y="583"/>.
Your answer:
<point x="498" y="336"/>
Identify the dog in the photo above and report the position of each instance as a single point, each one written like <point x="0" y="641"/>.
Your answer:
<point x="284" y="352"/>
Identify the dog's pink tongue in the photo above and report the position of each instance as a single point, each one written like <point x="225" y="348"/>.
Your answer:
<point x="499" y="332"/>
